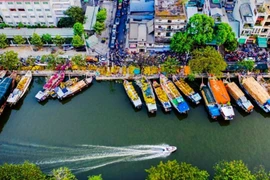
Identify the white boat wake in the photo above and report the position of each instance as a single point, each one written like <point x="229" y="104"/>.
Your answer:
<point x="79" y="158"/>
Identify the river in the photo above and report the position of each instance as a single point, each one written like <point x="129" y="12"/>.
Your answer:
<point x="99" y="132"/>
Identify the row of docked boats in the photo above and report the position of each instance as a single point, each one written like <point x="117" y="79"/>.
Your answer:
<point x="216" y="95"/>
<point x="56" y="88"/>
<point x="166" y="92"/>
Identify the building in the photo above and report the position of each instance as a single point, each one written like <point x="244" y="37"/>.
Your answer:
<point x="33" y="12"/>
<point x="170" y="17"/>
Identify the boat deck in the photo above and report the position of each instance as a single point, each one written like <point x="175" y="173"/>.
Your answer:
<point x="208" y="94"/>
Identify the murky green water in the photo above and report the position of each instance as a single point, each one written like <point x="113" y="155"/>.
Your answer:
<point x="103" y="115"/>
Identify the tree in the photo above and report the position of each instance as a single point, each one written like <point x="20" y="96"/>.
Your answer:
<point x="9" y="60"/>
<point x="19" y="39"/>
<point x="261" y="174"/>
<point x="170" y="66"/>
<point x="246" y="65"/>
<point x="77" y="41"/>
<point x="99" y="27"/>
<point x="231" y="45"/>
<point x="65" y="22"/>
<point x="78" y="60"/>
<point x="78" y="29"/>
<point x="102" y="15"/>
<point x="46" y="38"/>
<point x="58" y="40"/>
<point x="76" y="14"/>
<point x="36" y="40"/>
<point x="63" y="173"/>
<point x="181" y="43"/>
<point x="224" y="33"/>
<point x="20" y="25"/>
<point x="207" y="60"/>
<point x="97" y="177"/>
<point x="232" y="170"/>
<point x="26" y="170"/>
<point x="3" y="41"/>
<point x="201" y="28"/>
<point x="173" y="170"/>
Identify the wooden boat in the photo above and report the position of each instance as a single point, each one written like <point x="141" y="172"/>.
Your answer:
<point x="222" y="98"/>
<point x="239" y="96"/>
<point x="162" y="97"/>
<point x="173" y="94"/>
<point x="6" y="86"/>
<point x="210" y="101"/>
<point x="264" y="83"/>
<point x="73" y="89"/>
<point x="52" y="83"/>
<point x="63" y="85"/>
<point x="148" y="94"/>
<point x="187" y="90"/>
<point x="132" y="94"/>
<point x="3" y="73"/>
<point x="257" y="92"/>
<point x="21" y="88"/>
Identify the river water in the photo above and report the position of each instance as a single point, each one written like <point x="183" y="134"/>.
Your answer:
<point x="99" y="132"/>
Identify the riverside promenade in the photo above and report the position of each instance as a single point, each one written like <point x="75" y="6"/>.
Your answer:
<point x="45" y="73"/>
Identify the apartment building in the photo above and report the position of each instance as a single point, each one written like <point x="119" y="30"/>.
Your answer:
<point x="33" y="12"/>
<point x="170" y="17"/>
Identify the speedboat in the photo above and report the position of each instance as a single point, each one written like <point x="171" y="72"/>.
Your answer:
<point x="170" y="149"/>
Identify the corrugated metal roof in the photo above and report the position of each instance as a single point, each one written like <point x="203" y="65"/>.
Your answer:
<point x="133" y="31"/>
<point x="141" y="6"/>
<point x="91" y="16"/>
<point x="25" y="32"/>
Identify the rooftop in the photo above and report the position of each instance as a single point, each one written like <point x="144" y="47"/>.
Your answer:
<point x="25" y="32"/>
<point x="91" y="16"/>
<point x="246" y="12"/>
<point x="141" y="30"/>
<point x="141" y="6"/>
<point x="165" y="8"/>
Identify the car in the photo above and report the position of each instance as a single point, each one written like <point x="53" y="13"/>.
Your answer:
<point x="67" y="47"/>
<point x="118" y="13"/>
<point x="79" y="49"/>
<point x="117" y="21"/>
<point x="114" y="28"/>
<point x="113" y="36"/>
<point x="102" y="59"/>
<point x="112" y="44"/>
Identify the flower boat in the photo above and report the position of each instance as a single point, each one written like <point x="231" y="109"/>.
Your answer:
<point x="162" y="97"/>
<point x="132" y="94"/>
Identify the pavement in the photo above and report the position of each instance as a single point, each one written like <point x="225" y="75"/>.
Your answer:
<point x="26" y="51"/>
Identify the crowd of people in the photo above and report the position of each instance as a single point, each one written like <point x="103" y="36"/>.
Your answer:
<point x="248" y="52"/>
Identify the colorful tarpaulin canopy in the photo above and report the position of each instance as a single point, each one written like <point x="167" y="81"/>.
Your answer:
<point x="262" y="42"/>
<point x="242" y="41"/>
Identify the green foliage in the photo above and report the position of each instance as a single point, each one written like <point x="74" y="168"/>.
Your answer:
<point x="46" y="38"/>
<point x="99" y="27"/>
<point x="201" y="28"/>
<point x="172" y="170"/>
<point x="65" y="22"/>
<point x="20" y="25"/>
<point x="76" y="14"/>
<point x="63" y="173"/>
<point x="231" y="45"/>
<point x="58" y="40"/>
<point x="25" y="171"/>
<point x="170" y="66"/>
<point x="19" y="39"/>
<point x="232" y="170"/>
<point x="261" y="174"/>
<point x="50" y="59"/>
<point x="181" y="43"/>
<point x="191" y="77"/>
<point x="78" y="29"/>
<point x="36" y="40"/>
<point x="224" y="33"/>
<point x="3" y="25"/>
<point x="30" y="61"/>
<point x="3" y="41"/>
<point x="77" y="41"/>
<point x="207" y="60"/>
<point x="9" y="60"/>
<point x="246" y="65"/>
<point x="102" y="15"/>
<point x="78" y="60"/>
<point x="96" y="177"/>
